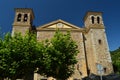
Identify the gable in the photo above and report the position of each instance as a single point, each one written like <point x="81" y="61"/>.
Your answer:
<point x="58" y="24"/>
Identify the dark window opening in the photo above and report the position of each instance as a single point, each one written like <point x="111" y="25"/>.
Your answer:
<point x="100" y="41"/>
<point x="98" y="20"/>
<point x="78" y="67"/>
<point x="19" y="17"/>
<point x="92" y="18"/>
<point x="105" y="69"/>
<point x="25" y="17"/>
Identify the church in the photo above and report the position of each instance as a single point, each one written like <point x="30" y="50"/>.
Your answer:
<point x="94" y="56"/>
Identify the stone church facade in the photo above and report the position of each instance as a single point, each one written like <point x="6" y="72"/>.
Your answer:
<point x="91" y="40"/>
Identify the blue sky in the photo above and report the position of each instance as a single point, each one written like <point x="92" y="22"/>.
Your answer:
<point x="71" y="11"/>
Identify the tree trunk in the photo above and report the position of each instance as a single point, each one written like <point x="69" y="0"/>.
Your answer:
<point x="13" y="78"/>
<point x="29" y="76"/>
<point x="1" y="78"/>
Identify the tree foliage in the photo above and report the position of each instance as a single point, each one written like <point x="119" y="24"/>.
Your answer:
<point x="62" y="50"/>
<point x="4" y="57"/>
<point x="21" y="56"/>
<point x="116" y="60"/>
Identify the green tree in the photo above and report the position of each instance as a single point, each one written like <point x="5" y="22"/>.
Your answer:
<point x="19" y="48"/>
<point x="4" y="56"/>
<point x="24" y="53"/>
<point x="19" y="56"/>
<point x="116" y="60"/>
<point x="62" y="50"/>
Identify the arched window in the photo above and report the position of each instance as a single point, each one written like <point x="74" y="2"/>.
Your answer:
<point x="25" y="17"/>
<point x="92" y="18"/>
<point x="19" y="17"/>
<point x="98" y="19"/>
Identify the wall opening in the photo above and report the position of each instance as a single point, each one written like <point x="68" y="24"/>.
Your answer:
<point x="98" y="20"/>
<point x="105" y="69"/>
<point x="19" y="17"/>
<point x="92" y="18"/>
<point x="100" y="41"/>
<point x="25" y="17"/>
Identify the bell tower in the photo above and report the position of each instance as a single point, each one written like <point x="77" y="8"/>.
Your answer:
<point x="97" y="50"/>
<point x="23" y="20"/>
<point x="94" y="20"/>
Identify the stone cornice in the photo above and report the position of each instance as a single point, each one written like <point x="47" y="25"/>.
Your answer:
<point x="93" y="27"/>
<point x="21" y="25"/>
<point x="54" y="29"/>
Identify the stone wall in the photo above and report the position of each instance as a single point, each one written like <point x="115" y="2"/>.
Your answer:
<point x="98" y="51"/>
